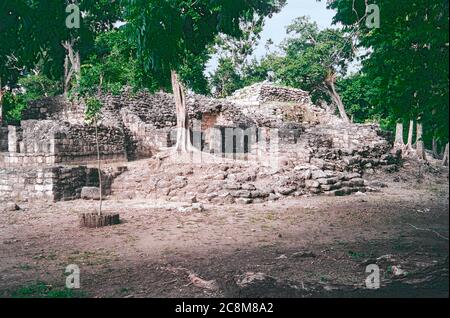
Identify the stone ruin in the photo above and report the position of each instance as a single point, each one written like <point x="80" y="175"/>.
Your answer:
<point x="52" y="154"/>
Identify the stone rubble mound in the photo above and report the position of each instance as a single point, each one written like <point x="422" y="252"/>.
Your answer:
<point x="267" y="92"/>
<point x="159" y="109"/>
<point x="230" y="183"/>
<point x="318" y="153"/>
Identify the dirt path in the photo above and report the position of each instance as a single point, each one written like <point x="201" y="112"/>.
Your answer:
<point x="317" y="246"/>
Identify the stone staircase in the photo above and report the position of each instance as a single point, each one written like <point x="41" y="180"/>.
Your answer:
<point x="333" y="183"/>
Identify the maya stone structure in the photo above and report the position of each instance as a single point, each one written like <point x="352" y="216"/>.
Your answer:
<point x="52" y="154"/>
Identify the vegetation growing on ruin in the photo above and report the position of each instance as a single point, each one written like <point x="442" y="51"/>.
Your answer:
<point x="403" y="78"/>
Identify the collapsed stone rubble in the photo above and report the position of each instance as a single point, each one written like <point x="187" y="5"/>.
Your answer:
<point x="53" y="152"/>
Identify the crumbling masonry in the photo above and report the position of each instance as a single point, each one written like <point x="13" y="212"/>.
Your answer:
<point x="52" y="154"/>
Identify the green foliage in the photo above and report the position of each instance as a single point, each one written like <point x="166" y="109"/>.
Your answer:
<point x="31" y="87"/>
<point x="13" y="105"/>
<point x="258" y="71"/>
<point x="234" y="58"/>
<point x="93" y="107"/>
<point x="238" y="50"/>
<point x="225" y="79"/>
<point x="408" y="59"/>
<point x="310" y="60"/>
<point x="110" y="63"/>
<point x="33" y="30"/>
<point x="193" y="74"/>
<point x="16" y="52"/>
<point x="359" y="94"/>
<point x="113" y="62"/>
<point x="161" y="36"/>
<point x="38" y="86"/>
<point x="314" y="57"/>
<point x="168" y="34"/>
<point x="43" y="290"/>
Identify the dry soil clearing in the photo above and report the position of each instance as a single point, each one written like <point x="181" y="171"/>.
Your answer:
<point x="298" y="247"/>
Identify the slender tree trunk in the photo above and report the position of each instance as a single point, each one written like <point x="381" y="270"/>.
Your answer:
<point x="409" y="145"/>
<point x="420" y="146"/>
<point x="66" y="75"/>
<point x="399" y="142"/>
<point x="184" y="144"/>
<point x="336" y="98"/>
<point x="72" y="64"/>
<point x="1" y="103"/>
<point x="435" y="148"/>
<point x="100" y="185"/>
<point x="100" y="182"/>
<point x="445" y="160"/>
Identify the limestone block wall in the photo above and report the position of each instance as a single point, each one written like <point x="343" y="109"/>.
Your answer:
<point x="270" y="93"/>
<point x="252" y="143"/>
<point x="359" y="137"/>
<point x="271" y="106"/>
<point x="267" y="92"/>
<point x="48" y="142"/>
<point x="55" y="108"/>
<point x="78" y="144"/>
<point x="68" y="181"/>
<point x="351" y="148"/>
<point x="3" y="139"/>
<point x="45" y="183"/>
<point x="144" y="139"/>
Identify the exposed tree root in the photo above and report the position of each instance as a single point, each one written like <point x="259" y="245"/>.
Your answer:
<point x="429" y="230"/>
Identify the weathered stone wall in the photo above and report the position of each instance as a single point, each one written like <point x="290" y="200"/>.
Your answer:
<point x="35" y="136"/>
<point x="273" y="106"/>
<point x="38" y="142"/>
<point x="78" y="144"/>
<point x="158" y="109"/>
<point x="148" y="121"/>
<point x="266" y="92"/>
<point x="144" y="140"/>
<point x="20" y="184"/>
<point x="55" y="108"/>
<point x="3" y="139"/>
<point x="45" y="183"/>
<point x="271" y="93"/>
<point x="356" y="148"/>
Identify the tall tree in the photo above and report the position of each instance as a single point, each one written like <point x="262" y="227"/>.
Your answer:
<point x="168" y="32"/>
<point x="15" y="50"/>
<point x="36" y="32"/>
<point x="239" y="50"/>
<point x="315" y="59"/>
<point x="226" y="79"/>
<point x="234" y="56"/>
<point x="407" y="60"/>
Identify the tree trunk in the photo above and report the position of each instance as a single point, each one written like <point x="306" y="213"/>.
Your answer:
<point x="74" y="69"/>
<point x="420" y="146"/>
<point x="99" y="168"/>
<point x="409" y="145"/>
<point x="336" y="98"/>
<point x="445" y="160"/>
<point x="98" y="151"/>
<point x="435" y="148"/>
<point x="399" y="142"/>
<point x="1" y="103"/>
<point x="184" y="144"/>
<point x="67" y="75"/>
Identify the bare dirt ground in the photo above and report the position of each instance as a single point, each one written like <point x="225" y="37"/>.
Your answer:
<point x="302" y="247"/>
